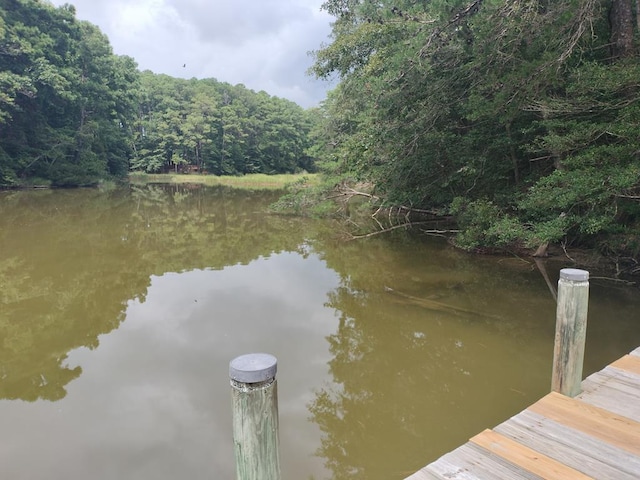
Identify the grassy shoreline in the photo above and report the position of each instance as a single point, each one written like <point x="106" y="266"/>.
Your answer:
<point x="256" y="181"/>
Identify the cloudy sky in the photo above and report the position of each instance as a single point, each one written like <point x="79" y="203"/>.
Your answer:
<point x="263" y="44"/>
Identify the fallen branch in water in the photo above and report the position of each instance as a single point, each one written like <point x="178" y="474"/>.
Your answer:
<point x="543" y="270"/>
<point x="564" y="249"/>
<point x="384" y="230"/>
<point x="437" y="306"/>
<point x="615" y="280"/>
<point x="403" y="225"/>
<point x="440" y="233"/>
<point x="398" y="216"/>
<point x="346" y="192"/>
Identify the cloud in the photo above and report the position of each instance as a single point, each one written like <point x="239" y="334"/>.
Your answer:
<point x="262" y="44"/>
<point x="234" y="23"/>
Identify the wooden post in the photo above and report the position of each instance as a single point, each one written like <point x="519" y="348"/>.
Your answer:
<point x="254" y="396"/>
<point x="571" y="330"/>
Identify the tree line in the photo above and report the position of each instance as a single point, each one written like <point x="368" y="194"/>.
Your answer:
<point x="520" y="119"/>
<point x="209" y="126"/>
<point x="72" y="112"/>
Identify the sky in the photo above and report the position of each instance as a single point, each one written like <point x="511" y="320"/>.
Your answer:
<point x="262" y="44"/>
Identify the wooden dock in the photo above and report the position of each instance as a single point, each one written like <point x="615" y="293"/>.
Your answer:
<point x="595" y="435"/>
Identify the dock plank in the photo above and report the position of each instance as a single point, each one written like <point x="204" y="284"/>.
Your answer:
<point x="471" y="462"/>
<point x="630" y="380"/>
<point x="571" y="447"/>
<point x="613" y="394"/>
<point x="594" y="421"/>
<point x="525" y="457"/>
<point x="629" y="362"/>
<point x="424" y="474"/>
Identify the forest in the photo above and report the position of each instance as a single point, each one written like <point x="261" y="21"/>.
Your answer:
<point x="520" y="119"/>
<point x="72" y="113"/>
<point x="517" y="120"/>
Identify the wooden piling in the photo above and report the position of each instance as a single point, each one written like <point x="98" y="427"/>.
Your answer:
<point x="255" y="416"/>
<point x="571" y="329"/>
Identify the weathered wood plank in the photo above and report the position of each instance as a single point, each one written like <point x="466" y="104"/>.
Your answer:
<point x="571" y="447"/>
<point x="620" y="381"/>
<point x="424" y="474"/>
<point x="632" y="380"/>
<point x="525" y="457"/>
<point x="451" y="467"/>
<point x="613" y="394"/>
<point x="630" y="363"/>
<point x="597" y="422"/>
<point x="470" y="462"/>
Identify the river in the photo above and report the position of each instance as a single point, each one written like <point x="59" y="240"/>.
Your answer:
<point x="121" y="309"/>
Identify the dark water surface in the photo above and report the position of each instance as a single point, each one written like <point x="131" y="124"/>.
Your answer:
<point x="120" y="311"/>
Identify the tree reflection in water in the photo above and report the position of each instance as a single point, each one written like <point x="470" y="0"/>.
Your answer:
<point x="432" y="347"/>
<point x="72" y="259"/>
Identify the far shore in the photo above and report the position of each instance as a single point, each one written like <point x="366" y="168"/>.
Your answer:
<point x="256" y="181"/>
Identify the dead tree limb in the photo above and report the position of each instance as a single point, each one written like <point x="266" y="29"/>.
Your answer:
<point x="615" y="280"/>
<point x="402" y="225"/>
<point x="438" y="306"/>
<point x="543" y="270"/>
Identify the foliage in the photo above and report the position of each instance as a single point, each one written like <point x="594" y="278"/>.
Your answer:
<point x="301" y="198"/>
<point x="208" y="126"/>
<point x="484" y="223"/>
<point x="66" y="100"/>
<point x="526" y="110"/>
<point x="73" y="113"/>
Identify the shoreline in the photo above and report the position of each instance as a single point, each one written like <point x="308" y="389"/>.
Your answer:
<point x="255" y="181"/>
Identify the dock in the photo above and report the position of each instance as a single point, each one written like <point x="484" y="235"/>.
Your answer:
<point x="595" y="435"/>
<point x="583" y="429"/>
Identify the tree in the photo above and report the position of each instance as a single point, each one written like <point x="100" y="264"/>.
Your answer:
<point x="207" y="125"/>
<point x="526" y="106"/>
<point x="65" y="111"/>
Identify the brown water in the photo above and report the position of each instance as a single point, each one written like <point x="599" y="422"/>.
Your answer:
<point x="120" y="311"/>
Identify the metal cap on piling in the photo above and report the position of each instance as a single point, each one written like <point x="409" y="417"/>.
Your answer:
<point x="253" y="368"/>
<point x="574" y="274"/>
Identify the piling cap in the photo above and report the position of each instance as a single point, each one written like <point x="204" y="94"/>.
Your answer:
<point x="253" y="368"/>
<point x="574" y="274"/>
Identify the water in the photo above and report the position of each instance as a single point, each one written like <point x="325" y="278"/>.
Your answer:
<point x="120" y="312"/>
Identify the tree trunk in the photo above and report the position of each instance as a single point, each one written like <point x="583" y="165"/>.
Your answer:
<point x="512" y="152"/>
<point x="621" y="20"/>
<point x="541" y="251"/>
